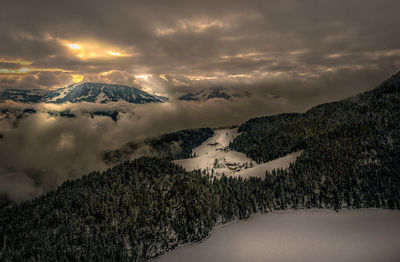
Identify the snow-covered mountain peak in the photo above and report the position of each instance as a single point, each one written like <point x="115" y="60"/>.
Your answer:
<point x="83" y="92"/>
<point x="212" y="93"/>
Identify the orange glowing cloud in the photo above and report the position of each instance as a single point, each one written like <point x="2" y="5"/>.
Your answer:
<point x="74" y="46"/>
<point x="17" y="61"/>
<point x="92" y="49"/>
<point x="163" y="76"/>
<point x="143" y="76"/>
<point x="106" y="73"/>
<point x="77" y="78"/>
<point x="24" y="70"/>
<point x="114" y="53"/>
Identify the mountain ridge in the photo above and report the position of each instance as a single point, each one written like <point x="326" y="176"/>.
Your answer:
<point x="91" y="92"/>
<point x="213" y="93"/>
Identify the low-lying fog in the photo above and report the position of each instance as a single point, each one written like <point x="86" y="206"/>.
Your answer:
<point x="39" y="151"/>
<point x="303" y="235"/>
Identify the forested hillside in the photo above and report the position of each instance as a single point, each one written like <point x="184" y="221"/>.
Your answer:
<point x="177" y="145"/>
<point x="140" y="209"/>
<point x="133" y="211"/>
<point x="351" y="149"/>
<point x="363" y="117"/>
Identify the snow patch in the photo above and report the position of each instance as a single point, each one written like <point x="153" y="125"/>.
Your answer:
<point x="215" y="156"/>
<point x="260" y="170"/>
<point x="101" y="97"/>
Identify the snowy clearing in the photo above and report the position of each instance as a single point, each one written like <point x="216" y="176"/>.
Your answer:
<point x="214" y="155"/>
<point x="259" y="170"/>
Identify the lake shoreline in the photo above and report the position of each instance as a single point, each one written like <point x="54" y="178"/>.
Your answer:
<point x="347" y="215"/>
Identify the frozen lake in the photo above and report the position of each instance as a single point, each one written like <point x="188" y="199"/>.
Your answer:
<point x="301" y="235"/>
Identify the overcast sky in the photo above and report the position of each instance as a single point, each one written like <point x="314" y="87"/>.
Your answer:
<point x="330" y="49"/>
<point x="287" y="55"/>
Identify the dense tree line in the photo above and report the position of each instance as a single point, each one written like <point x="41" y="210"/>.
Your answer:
<point x="177" y="145"/>
<point x="141" y="209"/>
<point x="265" y="133"/>
<point x="351" y="150"/>
<point x="366" y="116"/>
<point x="133" y="211"/>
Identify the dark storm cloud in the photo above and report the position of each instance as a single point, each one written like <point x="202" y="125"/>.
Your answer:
<point x="288" y="54"/>
<point x="204" y="37"/>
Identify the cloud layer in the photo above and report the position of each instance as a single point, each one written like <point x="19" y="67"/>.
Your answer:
<point x="38" y="151"/>
<point x="191" y="43"/>
<point x="289" y="55"/>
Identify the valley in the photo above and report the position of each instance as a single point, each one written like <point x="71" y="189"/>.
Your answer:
<point x="215" y="157"/>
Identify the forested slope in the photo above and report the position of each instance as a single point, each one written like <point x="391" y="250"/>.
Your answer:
<point x="140" y="209"/>
<point x="351" y="149"/>
<point x="177" y="145"/>
<point x="371" y="114"/>
<point x="133" y="211"/>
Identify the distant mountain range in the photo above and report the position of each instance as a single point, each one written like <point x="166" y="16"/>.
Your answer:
<point x="104" y="93"/>
<point x="85" y="92"/>
<point x="23" y="96"/>
<point x="214" y="92"/>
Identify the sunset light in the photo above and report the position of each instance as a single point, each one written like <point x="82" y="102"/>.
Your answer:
<point x="92" y="49"/>
<point x="74" y="46"/>
<point x="192" y="131"/>
<point x="144" y="76"/>
<point x="114" y="53"/>
<point x="16" y="61"/>
<point x="77" y="78"/>
<point x="24" y="70"/>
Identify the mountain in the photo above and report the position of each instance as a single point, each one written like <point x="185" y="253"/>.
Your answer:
<point x="214" y="92"/>
<point x="101" y="93"/>
<point x="85" y="92"/>
<point x="140" y="209"/>
<point x="23" y="96"/>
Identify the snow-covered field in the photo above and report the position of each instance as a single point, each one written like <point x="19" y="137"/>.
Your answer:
<point x="303" y="235"/>
<point x="259" y="170"/>
<point x="215" y="156"/>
